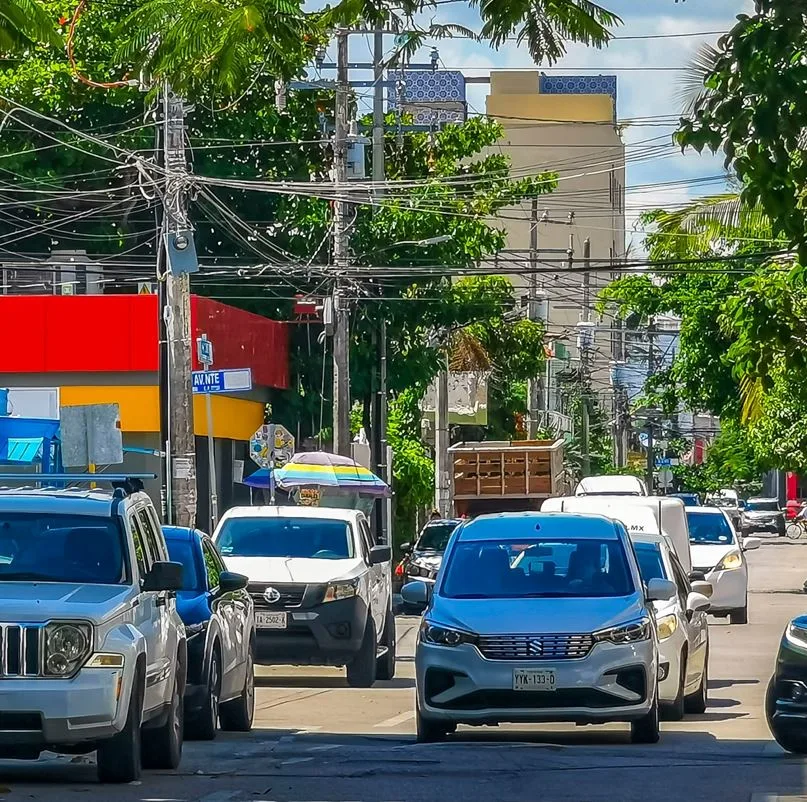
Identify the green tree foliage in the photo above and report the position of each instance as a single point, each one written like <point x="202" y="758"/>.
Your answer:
<point x="753" y="107"/>
<point x="23" y="23"/>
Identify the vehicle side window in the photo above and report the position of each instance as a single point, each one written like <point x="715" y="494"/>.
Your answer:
<point x="152" y="514"/>
<point x="213" y="566"/>
<point x="150" y="536"/>
<point x="681" y="580"/>
<point x="141" y="555"/>
<point x="366" y="538"/>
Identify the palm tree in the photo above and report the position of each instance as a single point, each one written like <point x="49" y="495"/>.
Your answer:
<point x="232" y="41"/>
<point x="23" y="22"/>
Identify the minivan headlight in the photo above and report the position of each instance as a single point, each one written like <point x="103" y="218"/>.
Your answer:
<point x="666" y="626"/>
<point x="67" y="646"/>
<point x="797" y="634"/>
<point x="730" y="562"/>
<point x="439" y="635"/>
<point x="631" y="632"/>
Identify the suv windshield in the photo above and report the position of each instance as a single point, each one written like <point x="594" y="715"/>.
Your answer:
<point x="319" y="538"/>
<point x="537" y="568"/>
<point x="435" y="537"/>
<point x="707" y="527"/>
<point x="61" y="548"/>
<point x="763" y="505"/>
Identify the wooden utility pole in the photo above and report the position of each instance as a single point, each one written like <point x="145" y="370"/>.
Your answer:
<point x="178" y="316"/>
<point x="341" y="247"/>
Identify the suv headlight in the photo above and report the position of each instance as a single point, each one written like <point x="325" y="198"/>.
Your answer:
<point x="341" y="590"/>
<point x="444" y="636"/>
<point x="631" y="632"/>
<point x="730" y="562"/>
<point x="666" y="626"/>
<point x="67" y="646"/>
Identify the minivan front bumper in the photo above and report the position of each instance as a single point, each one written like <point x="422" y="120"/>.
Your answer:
<point x="612" y="683"/>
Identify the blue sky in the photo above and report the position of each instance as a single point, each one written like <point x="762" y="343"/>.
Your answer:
<point x="642" y="92"/>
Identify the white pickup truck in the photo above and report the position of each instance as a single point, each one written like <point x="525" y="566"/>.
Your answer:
<point x="322" y="589"/>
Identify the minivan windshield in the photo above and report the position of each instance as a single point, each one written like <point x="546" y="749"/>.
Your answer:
<point x="537" y="568"/>
<point x="435" y="537"/>
<point x="61" y="548"/>
<point x="705" y="527"/>
<point x="318" y="538"/>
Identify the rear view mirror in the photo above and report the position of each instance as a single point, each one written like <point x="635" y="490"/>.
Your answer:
<point x="697" y="603"/>
<point x="661" y="590"/>
<point x="380" y="554"/>
<point x="417" y="594"/>
<point x="704" y="588"/>
<point x="751" y="543"/>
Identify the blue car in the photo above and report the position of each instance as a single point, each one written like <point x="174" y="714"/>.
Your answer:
<point x="689" y="499"/>
<point x="220" y="625"/>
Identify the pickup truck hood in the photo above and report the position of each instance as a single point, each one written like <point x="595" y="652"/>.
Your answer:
<point x="37" y="602"/>
<point x="303" y="570"/>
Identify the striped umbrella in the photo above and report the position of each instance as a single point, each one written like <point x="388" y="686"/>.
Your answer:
<point x="321" y="469"/>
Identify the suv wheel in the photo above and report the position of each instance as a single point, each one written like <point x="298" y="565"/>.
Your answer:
<point x="204" y="723"/>
<point x="237" y="715"/>
<point x="119" y="756"/>
<point x="645" y="730"/>
<point x="162" y="746"/>
<point x="386" y="663"/>
<point x="361" y="672"/>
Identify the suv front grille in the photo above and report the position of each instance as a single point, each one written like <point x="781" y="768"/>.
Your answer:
<point x="535" y="647"/>
<point x="20" y="648"/>
<point x="289" y="595"/>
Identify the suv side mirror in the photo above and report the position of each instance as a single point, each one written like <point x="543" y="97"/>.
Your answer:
<point x="416" y="594"/>
<point x="697" y="602"/>
<point x="380" y="554"/>
<point x="229" y="582"/>
<point x="164" y="576"/>
<point x="751" y="543"/>
<point x="406" y="547"/>
<point x="704" y="588"/>
<point x="661" y="590"/>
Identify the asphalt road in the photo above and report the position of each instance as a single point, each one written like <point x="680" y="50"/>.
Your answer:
<point x="316" y="739"/>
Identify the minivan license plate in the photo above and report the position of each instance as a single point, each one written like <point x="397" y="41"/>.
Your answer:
<point x="533" y="679"/>
<point x="271" y="620"/>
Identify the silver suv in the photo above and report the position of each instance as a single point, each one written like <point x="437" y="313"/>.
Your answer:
<point x="93" y="653"/>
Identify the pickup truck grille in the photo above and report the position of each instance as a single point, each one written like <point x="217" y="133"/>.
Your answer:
<point x="289" y="595"/>
<point x="20" y="648"/>
<point x="535" y="647"/>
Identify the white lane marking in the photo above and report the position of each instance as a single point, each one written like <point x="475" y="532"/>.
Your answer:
<point x="324" y="747"/>
<point x="396" y="720"/>
<point x="296" y="760"/>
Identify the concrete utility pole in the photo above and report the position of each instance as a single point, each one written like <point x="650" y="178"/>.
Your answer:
<point x="535" y="388"/>
<point x="442" y="477"/>
<point x="178" y="318"/>
<point x="341" y="339"/>
<point x="651" y="370"/>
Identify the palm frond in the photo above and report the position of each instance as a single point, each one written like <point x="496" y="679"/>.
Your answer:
<point x="468" y="354"/>
<point x="26" y="21"/>
<point x="692" y="87"/>
<point x="751" y="396"/>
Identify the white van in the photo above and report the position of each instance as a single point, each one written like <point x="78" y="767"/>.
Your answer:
<point x="669" y="514"/>
<point x="611" y="486"/>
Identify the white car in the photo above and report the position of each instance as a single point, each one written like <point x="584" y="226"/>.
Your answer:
<point x="683" y="629"/>
<point x="538" y="617"/>
<point x="717" y="555"/>
<point x="322" y="589"/>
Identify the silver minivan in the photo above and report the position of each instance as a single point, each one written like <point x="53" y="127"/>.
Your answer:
<point x="538" y="617"/>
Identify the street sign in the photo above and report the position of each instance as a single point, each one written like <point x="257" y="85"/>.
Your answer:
<point x="222" y="381"/>
<point x="204" y="350"/>
<point x="663" y="462"/>
<point x="261" y="444"/>
<point x="91" y="435"/>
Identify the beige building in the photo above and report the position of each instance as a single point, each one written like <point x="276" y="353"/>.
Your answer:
<point x="566" y="124"/>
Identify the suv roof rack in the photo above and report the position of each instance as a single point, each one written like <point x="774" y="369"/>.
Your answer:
<point x="124" y="484"/>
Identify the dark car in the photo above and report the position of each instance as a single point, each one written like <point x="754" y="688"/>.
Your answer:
<point x="689" y="499"/>
<point x="763" y="515"/>
<point x="220" y="625"/>
<point x="422" y="561"/>
<point x="786" y="699"/>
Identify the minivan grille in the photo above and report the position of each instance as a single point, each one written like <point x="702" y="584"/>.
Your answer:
<point x="290" y="595"/>
<point x="20" y="648"/>
<point x="535" y="647"/>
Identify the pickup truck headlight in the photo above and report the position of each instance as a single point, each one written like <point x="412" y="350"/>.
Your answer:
<point x="67" y="646"/>
<point x="630" y="632"/>
<point x="444" y="636"/>
<point x="341" y="590"/>
<point x="730" y="562"/>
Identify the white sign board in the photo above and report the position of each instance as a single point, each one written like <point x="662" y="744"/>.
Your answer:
<point x="272" y="442"/>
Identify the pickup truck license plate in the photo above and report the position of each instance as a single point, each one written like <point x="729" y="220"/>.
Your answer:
<point x="271" y="620"/>
<point x="533" y="679"/>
